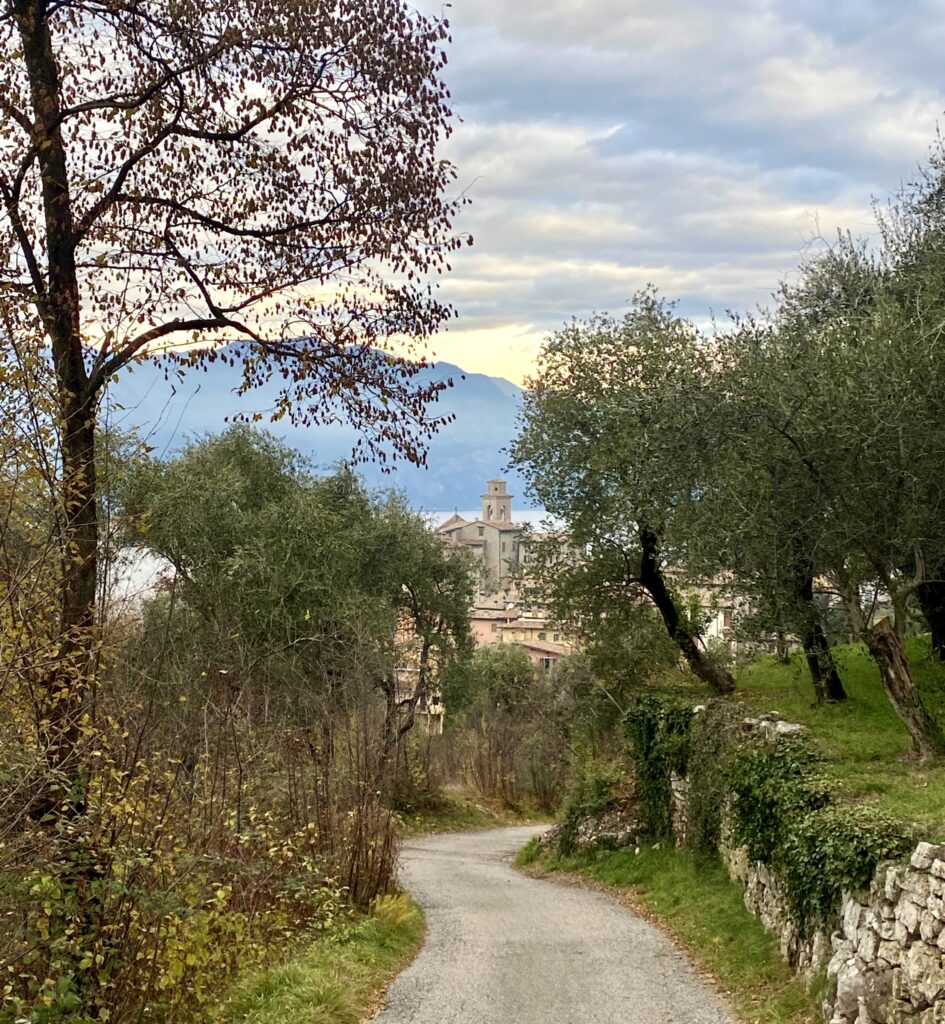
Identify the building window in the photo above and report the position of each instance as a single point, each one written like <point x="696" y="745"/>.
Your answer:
<point x="556" y="637"/>
<point x="482" y="531"/>
<point x="542" y="636"/>
<point x="727" y="618"/>
<point x="503" y="545"/>
<point x="495" y="627"/>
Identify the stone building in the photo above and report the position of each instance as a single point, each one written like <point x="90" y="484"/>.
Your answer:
<point x="496" y="542"/>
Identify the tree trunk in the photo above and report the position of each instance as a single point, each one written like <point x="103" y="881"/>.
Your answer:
<point x="651" y="577"/>
<point x="828" y="686"/>
<point x="886" y="647"/>
<point x="68" y="684"/>
<point x="781" y="648"/>
<point x="931" y="596"/>
<point x="823" y="668"/>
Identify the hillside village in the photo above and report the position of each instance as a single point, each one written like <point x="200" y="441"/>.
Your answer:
<point x="658" y="738"/>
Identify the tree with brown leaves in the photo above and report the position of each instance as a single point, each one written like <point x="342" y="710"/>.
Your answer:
<point x="255" y="180"/>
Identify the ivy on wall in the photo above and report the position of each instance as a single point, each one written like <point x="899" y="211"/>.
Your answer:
<point x="779" y="802"/>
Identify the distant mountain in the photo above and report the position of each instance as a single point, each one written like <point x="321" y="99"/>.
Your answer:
<point x="464" y="454"/>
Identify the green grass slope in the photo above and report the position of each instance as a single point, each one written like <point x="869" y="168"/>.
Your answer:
<point x="865" y="743"/>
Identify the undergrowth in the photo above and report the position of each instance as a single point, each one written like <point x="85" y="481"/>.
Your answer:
<point x="864" y="744"/>
<point x="453" y="809"/>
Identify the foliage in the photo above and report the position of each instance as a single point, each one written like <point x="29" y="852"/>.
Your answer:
<point x="595" y="784"/>
<point x="510" y="722"/>
<point x="612" y="444"/>
<point x="660" y="730"/>
<point x="778" y="799"/>
<point x="834" y="850"/>
<point x="235" y="794"/>
<point x="774" y="785"/>
<point x="716" y="730"/>
<point x="865" y="745"/>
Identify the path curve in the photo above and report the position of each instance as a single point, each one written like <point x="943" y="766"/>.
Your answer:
<point x="503" y="948"/>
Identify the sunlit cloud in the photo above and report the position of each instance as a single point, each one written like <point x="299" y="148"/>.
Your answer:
<point x="701" y="148"/>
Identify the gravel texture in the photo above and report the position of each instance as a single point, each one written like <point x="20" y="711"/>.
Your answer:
<point x="503" y="948"/>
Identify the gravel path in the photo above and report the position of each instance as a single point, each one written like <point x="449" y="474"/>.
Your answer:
<point x="503" y="948"/>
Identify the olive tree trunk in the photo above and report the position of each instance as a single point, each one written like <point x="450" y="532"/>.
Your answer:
<point x="677" y="623"/>
<point x="885" y="643"/>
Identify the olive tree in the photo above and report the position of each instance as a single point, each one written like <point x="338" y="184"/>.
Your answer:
<point x="612" y="443"/>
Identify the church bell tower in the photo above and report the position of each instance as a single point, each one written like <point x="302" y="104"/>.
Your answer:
<point x="497" y="503"/>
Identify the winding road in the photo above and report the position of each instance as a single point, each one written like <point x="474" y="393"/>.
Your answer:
<point x="503" y="948"/>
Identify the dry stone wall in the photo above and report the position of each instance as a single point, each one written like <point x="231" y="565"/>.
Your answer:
<point x="886" y="961"/>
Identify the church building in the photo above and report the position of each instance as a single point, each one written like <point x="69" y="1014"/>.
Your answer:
<point x="495" y="540"/>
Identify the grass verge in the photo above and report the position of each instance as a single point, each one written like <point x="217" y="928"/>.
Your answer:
<point x="864" y="742"/>
<point x="339" y="978"/>
<point x="693" y="900"/>
<point x="456" y="810"/>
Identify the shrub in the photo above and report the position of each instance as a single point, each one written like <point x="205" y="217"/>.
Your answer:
<point x="660" y="729"/>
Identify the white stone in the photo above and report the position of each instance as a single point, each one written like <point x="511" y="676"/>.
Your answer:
<point x="907" y="913"/>
<point x="868" y="945"/>
<point x="929" y="928"/>
<point x="891" y="884"/>
<point x="925" y="854"/>
<point x="852" y="912"/>
<point x="883" y="928"/>
<point x="924" y="973"/>
<point x="891" y="952"/>
<point x="938" y="868"/>
<point x="850" y="987"/>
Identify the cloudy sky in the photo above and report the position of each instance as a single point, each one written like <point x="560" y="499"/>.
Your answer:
<point x="699" y="146"/>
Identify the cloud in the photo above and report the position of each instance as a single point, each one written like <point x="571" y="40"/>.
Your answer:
<point x="700" y="147"/>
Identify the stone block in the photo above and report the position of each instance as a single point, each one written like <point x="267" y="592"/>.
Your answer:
<point x="938" y="868"/>
<point x="877" y="991"/>
<point x="891" y="883"/>
<point x="868" y="945"/>
<point x="923" y="974"/>
<point x="891" y="952"/>
<point x="851" y="987"/>
<point x="853" y="914"/>
<point x="907" y="914"/>
<point x="915" y="883"/>
<point x="900" y="1012"/>
<point x="929" y="928"/>
<point x="884" y="928"/>
<point x="926" y="854"/>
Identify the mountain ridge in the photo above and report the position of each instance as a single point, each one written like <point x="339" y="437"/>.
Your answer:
<point x="461" y="456"/>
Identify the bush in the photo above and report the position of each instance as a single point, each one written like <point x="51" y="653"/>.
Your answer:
<point x="598" y="781"/>
<point x="660" y="729"/>
<point x="781" y="806"/>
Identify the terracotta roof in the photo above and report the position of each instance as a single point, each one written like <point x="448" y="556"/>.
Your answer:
<point x="544" y="646"/>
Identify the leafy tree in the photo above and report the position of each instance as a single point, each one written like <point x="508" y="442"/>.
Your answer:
<point x="281" y="561"/>
<point x="758" y="522"/>
<point x="176" y="176"/>
<point x="611" y="443"/>
<point x="846" y="404"/>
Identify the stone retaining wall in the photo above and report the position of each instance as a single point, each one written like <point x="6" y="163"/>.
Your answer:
<point x="886" y="961"/>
